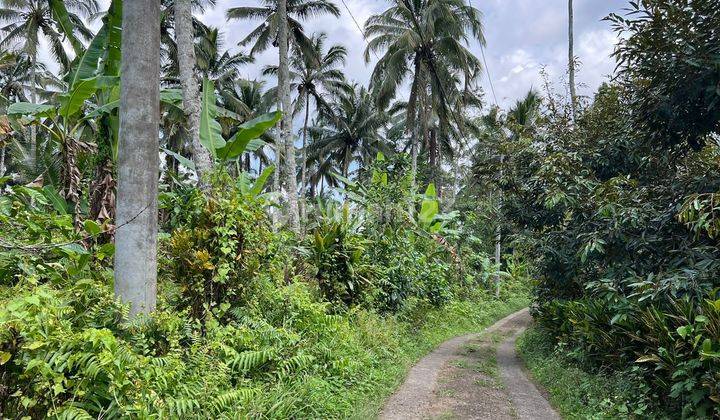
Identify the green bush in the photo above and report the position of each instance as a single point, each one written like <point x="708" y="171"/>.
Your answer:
<point x="338" y="251"/>
<point x="220" y="247"/>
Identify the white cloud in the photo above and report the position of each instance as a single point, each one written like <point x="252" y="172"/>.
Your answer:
<point x="523" y="36"/>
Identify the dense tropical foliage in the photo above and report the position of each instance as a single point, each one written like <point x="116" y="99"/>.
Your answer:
<point x="306" y="292"/>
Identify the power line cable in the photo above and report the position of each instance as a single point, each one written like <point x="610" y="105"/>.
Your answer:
<point x="487" y="73"/>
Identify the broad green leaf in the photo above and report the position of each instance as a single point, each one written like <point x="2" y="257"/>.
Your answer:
<point x="429" y="208"/>
<point x="4" y="357"/>
<point x="26" y="108"/>
<point x="111" y="62"/>
<point x="210" y="130"/>
<point x="104" y="109"/>
<point x="74" y="249"/>
<point x="343" y="179"/>
<point x="262" y="180"/>
<point x="254" y="145"/>
<point x="183" y="160"/>
<point x="88" y="64"/>
<point x="92" y="227"/>
<point x="55" y="199"/>
<point x="62" y="18"/>
<point x="248" y="131"/>
<point x="684" y="330"/>
<point x="73" y="102"/>
<point x="171" y="96"/>
<point x="430" y="191"/>
<point x="33" y="193"/>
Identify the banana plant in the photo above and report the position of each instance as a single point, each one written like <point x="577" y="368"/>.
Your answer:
<point x="86" y="110"/>
<point x="245" y="139"/>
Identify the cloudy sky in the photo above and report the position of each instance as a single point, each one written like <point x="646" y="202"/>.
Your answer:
<point x="522" y="37"/>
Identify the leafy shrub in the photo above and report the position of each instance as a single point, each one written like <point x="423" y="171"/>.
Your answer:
<point x="337" y="249"/>
<point x="219" y="249"/>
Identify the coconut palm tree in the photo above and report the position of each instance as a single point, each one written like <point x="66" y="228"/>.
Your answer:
<point x="426" y="42"/>
<point x="266" y="34"/>
<point x="352" y="134"/>
<point x="216" y="63"/>
<point x="26" y="155"/>
<point x="315" y="75"/>
<point x="26" y="20"/>
<point x="522" y="117"/>
<point x="187" y="62"/>
<point x="280" y="26"/>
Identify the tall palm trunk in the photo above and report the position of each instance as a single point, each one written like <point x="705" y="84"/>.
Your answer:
<point x="286" y="127"/>
<point x="433" y="155"/>
<point x="2" y="160"/>
<point x="303" y="162"/>
<point x="138" y="157"/>
<point x="277" y="173"/>
<point x="571" y="60"/>
<point x="33" y="99"/>
<point x="190" y="89"/>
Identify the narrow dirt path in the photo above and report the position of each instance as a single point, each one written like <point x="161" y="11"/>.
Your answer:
<point x="476" y="376"/>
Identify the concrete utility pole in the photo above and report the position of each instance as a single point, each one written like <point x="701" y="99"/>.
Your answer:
<point x="498" y="235"/>
<point x="138" y="157"/>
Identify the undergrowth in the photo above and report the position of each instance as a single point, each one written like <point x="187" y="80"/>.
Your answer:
<point x="577" y="393"/>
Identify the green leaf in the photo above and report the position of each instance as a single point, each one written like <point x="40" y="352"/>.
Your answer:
<point x="92" y="227"/>
<point x="4" y="357"/>
<point x="171" y="96"/>
<point x="62" y="18"/>
<point x="183" y="160"/>
<point x="26" y="108"/>
<point x="55" y="199"/>
<point x="684" y="330"/>
<point x="430" y="191"/>
<point x="88" y="65"/>
<point x="261" y="180"/>
<point x="254" y="145"/>
<point x="73" y="101"/>
<point x="248" y="131"/>
<point x="113" y="55"/>
<point x="104" y="109"/>
<point x="210" y="130"/>
<point x="429" y="208"/>
<point x="73" y="249"/>
<point x="34" y="194"/>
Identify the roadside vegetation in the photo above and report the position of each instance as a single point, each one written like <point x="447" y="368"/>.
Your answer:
<point x="618" y="210"/>
<point x="179" y="242"/>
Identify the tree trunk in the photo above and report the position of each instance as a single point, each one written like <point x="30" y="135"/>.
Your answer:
<point x="2" y="161"/>
<point x="571" y="61"/>
<point x="433" y="156"/>
<point x="286" y="127"/>
<point x="33" y="99"/>
<point x="303" y="162"/>
<point x="276" y="174"/>
<point x="190" y="90"/>
<point x="138" y="157"/>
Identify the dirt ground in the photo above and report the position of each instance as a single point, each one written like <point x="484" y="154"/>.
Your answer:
<point x="477" y="376"/>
